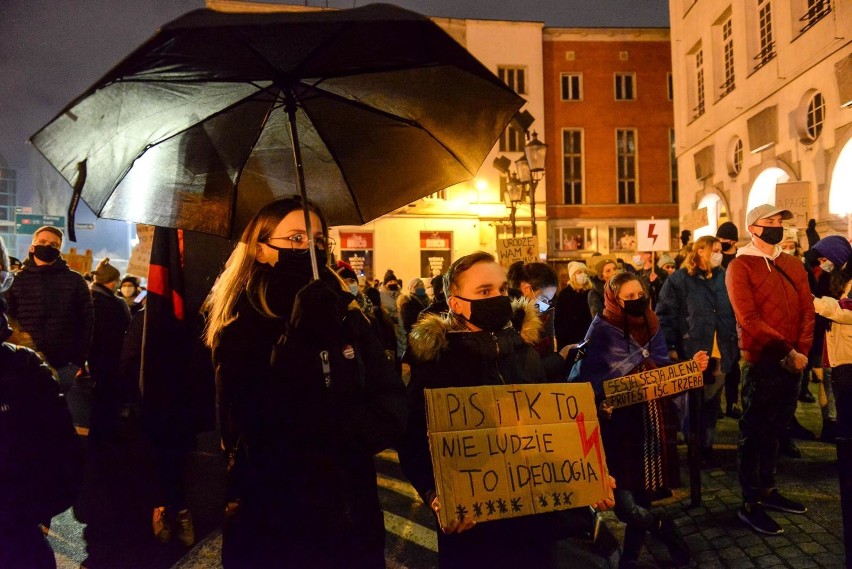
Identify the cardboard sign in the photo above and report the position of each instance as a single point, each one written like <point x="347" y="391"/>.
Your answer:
<point x="140" y="257"/>
<point x="653" y="384"/>
<point x="518" y="249"/>
<point x="502" y="451"/>
<point x="653" y="235"/>
<point x="695" y="219"/>
<point x="794" y="197"/>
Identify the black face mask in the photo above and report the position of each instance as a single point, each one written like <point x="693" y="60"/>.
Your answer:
<point x="393" y="288"/>
<point x="45" y="253"/>
<point x="772" y="235"/>
<point x="490" y="314"/>
<point x="636" y="306"/>
<point x="298" y="262"/>
<point x="727" y="247"/>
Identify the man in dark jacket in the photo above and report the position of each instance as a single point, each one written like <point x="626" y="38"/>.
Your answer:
<point x="52" y="303"/>
<point x="112" y="316"/>
<point x="475" y="344"/>
<point x="40" y="456"/>
<point x="775" y="323"/>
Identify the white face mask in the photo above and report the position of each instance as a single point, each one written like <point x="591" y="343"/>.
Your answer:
<point x="637" y="260"/>
<point x="827" y="267"/>
<point x="790" y="251"/>
<point x="716" y="260"/>
<point x="581" y="278"/>
<point x="353" y="288"/>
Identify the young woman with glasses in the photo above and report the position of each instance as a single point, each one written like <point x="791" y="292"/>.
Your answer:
<point x="306" y="397"/>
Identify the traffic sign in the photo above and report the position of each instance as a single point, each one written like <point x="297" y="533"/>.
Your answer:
<point x="26" y="223"/>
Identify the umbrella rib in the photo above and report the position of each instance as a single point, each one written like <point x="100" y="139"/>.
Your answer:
<point x="262" y="126"/>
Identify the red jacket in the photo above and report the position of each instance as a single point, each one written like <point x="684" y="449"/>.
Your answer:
<point x="773" y="315"/>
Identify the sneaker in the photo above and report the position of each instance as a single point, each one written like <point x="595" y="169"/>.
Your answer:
<point x="161" y="526"/>
<point x="775" y="501"/>
<point x="757" y="519"/>
<point x="185" y="528"/>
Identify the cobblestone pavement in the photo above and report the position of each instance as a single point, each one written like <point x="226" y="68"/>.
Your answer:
<point x="717" y="538"/>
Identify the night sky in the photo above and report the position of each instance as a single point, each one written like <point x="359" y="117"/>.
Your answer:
<point x="50" y="52"/>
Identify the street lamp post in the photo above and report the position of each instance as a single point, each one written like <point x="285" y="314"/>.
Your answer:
<point x="529" y="170"/>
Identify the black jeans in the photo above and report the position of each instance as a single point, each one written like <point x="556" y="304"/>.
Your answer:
<point x="841" y="378"/>
<point x="769" y="395"/>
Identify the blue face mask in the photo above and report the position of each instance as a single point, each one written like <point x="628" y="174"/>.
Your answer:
<point x="420" y="292"/>
<point x="353" y="288"/>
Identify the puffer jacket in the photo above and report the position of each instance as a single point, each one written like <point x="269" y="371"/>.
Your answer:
<point x="838" y="338"/>
<point x="52" y="304"/>
<point x="774" y="315"/>
<point x="691" y="309"/>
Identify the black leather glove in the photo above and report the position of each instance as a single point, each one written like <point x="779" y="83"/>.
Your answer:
<point x="317" y="313"/>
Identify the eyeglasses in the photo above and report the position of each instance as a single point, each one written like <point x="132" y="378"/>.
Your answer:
<point x="299" y="242"/>
<point x="53" y="244"/>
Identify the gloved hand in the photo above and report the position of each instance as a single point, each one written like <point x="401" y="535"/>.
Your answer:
<point x="317" y="313"/>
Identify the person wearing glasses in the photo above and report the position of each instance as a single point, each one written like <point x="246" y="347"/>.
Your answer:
<point x="306" y="398"/>
<point x="52" y="303"/>
<point x="537" y="282"/>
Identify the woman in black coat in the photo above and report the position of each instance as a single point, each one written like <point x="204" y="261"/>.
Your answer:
<point x="572" y="307"/>
<point x="306" y="398"/>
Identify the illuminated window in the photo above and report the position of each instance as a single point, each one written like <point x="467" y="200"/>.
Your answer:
<point x="626" y="156"/>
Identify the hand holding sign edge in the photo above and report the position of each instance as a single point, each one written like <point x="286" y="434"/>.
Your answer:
<point x="455" y="526"/>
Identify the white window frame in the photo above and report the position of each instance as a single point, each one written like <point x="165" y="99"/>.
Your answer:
<point x="562" y="84"/>
<point x="620" y="89"/>
<point x="627" y="179"/>
<point x="582" y="180"/>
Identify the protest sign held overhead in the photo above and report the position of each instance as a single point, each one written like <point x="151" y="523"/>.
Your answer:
<point x="516" y="249"/>
<point x="503" y="451"/>
<point x="653" y="384"/>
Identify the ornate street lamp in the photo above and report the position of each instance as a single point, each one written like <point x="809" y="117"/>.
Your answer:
<point x="529" y="170"/>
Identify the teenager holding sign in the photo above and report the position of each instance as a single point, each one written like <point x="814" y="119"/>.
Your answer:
<point x="306" y="397"/>
<point x="476" y="344"/>
<point x="624" y="339"/>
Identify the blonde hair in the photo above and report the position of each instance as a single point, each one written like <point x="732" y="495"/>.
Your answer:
<point x="693" y="258"/>
<point x="242" y="273"/>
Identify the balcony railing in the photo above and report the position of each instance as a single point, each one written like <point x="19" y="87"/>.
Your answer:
<point x="815" y="13"/>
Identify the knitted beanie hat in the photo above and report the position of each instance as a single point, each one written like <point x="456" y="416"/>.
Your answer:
<point x="728" y="231"/>
<point x="575" y="266"/>
<point x="105" y="273"/>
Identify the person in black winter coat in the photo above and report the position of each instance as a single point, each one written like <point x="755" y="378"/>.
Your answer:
<point x="475" y="344"/>
<point x="412" y="304"/>
<point x="439" y="299"/>
<point x="306" y="398"/>
<point x="40" y="456"/>
<point x="52" y="303"/>
<point x="572" y="307"/>
<point x="604" y="270"/>
<point x="112" y="316"/>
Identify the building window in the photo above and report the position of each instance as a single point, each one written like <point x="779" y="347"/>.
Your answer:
<point x="816" y="11"/>
<point x="698" y="83"/>
<point x="625" y="86"/>
<point x="514" y="77"/>
<point x="572" y="87"/>
<point x="669" y="87"/>
<point x="439" y="195"/>
<point x="764" y="27"/>
<point x="734" y="157"/>
<point x="673" y="165"/>
<point x="728" y="57"/>
<point x="512" y="139"/>
<point x="810" y="116"/>
<point x="572" y="239"/>
<point x="626" y="153"/>
<point x="572" y="166"/>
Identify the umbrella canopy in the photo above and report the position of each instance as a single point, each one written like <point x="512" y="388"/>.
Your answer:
<point x="191" y="130"/>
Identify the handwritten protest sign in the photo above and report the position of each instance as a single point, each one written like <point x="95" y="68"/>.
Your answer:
<point x="518" y="249"/>
<point x="140" y="257"/>
<point x="653" y="384"/>
<point x="502" y="451"/>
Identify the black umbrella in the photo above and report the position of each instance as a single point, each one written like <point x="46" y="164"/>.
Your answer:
<point x="220" y="113"/>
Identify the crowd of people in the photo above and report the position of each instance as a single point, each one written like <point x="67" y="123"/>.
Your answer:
<point x="327" y="357"/>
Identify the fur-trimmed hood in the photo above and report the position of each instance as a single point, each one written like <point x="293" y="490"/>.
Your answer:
<point x="429" y="335"/>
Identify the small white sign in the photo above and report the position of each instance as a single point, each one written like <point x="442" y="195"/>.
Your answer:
<point x="653" y="235"/>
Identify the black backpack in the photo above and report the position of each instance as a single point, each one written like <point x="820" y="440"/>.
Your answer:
<point x="41" y="456"/>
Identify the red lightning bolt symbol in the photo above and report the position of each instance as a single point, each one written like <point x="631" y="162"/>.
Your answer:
<point x="651" y="233"/>
<point x="591" y="441"/>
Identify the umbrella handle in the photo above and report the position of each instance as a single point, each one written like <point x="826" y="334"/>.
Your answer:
<point x="290" y="105"/>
